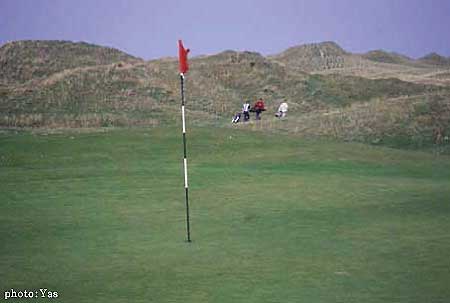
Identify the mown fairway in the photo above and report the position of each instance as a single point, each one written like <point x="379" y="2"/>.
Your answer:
<point x="99" y="217"/>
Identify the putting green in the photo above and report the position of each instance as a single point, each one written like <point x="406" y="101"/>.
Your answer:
<point x="99" y="217"/>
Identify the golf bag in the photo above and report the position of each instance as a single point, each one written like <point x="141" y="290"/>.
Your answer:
<point x="236" y="118"/>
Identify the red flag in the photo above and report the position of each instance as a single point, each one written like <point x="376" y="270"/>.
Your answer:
<point x="182" y="54"/>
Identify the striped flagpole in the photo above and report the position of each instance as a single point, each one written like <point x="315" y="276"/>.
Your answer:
<point x="186" y="188"/>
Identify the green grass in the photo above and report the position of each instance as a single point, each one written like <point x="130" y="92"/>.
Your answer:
<point x="99" y="217"/>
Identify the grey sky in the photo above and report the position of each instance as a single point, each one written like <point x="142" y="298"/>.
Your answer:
<point x="150" y="29"/>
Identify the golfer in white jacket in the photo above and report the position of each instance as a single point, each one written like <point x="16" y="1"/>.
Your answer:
<point x="282" y="110"/>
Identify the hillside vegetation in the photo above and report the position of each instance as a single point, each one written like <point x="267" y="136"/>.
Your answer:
<point x="65" y="84"/>
<point x="23" y="61"/>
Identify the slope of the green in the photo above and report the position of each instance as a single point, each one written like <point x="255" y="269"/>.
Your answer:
<point x="99" y="217"/>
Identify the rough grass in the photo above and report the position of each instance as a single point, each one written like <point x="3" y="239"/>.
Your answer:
<point x="408" y="122"/>
<point x="22" y="61"/>
<point x="54" y="79"/>
<point x="341" y="90"/>
<point x="99" y="217"/>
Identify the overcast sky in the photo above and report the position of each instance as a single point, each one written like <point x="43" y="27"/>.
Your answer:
<point x="150" y="28"/>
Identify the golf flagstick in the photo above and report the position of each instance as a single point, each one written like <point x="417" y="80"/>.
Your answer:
<point x="183" y="69"/>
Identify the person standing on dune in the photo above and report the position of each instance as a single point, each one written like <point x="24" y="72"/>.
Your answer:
<point x="258" y="108"/>
<point x="245" y="111"/>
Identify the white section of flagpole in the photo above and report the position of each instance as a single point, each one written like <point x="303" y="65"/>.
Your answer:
<point x="183" y="118"/>
<point x="185" y="174"/>
<point x="185" y="158"/>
